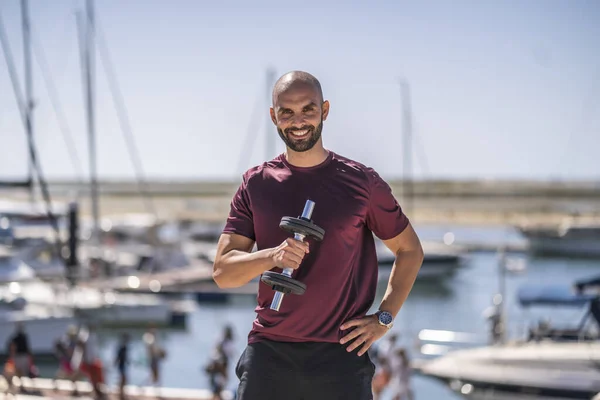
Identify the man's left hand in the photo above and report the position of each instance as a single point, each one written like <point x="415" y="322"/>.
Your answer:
<point x="366" y="331"/>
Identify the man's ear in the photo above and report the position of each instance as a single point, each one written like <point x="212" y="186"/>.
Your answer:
<point x="272" y="112"/>
<point x="325" y="109"/>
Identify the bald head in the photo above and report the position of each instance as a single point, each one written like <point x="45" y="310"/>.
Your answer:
<point x="299" y="110"/>
<point x="296" y="79"/>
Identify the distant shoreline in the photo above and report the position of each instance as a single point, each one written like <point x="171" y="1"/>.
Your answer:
<point x="434" y="202"/>
<point x="473" y="187"/>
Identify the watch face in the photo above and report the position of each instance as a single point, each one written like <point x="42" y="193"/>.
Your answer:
<point x="385" y="318"/>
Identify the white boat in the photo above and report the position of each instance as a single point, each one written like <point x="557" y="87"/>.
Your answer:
<point x="21" y="221"/>
<point x="572" y="238"/>
<point x="43" y="258"/>
<point x="439" y="260"/>
<point x="549" y="364"/>
<point x="106" y="308"/>
<point x="43" y="323"/>
<point x="13" y="269"/>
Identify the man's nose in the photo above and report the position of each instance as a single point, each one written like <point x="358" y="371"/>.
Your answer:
<point x="298" y="121"/>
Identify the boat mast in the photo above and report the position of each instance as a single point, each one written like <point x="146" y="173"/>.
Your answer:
<point x="407" y="187"/>
<point x="28" y="87"/>
<point x="271" y="137"/>
<point x="88" y="65"/>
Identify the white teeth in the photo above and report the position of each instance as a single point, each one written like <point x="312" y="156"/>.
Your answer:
<point x="300" y="133"/>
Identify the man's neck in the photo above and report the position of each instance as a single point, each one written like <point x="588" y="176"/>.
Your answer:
<point x="311" y="158"/>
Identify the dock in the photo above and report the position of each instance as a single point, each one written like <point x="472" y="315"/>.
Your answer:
<point x="43" y="388"/>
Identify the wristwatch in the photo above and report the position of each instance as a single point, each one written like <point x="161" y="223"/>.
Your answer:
<point x="385" y="319"/>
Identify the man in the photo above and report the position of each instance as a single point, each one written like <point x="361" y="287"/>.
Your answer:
<point x="121" y="361"/>
<point x="91" y="363"/>
<point x="19" y="352"/>
<point x="313" y="347"/>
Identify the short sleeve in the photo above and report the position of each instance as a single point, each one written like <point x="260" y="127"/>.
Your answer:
<point x="385" y="217"/>
<point x="240" y="220"/>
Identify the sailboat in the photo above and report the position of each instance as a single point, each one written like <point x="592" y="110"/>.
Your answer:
<point x="43" y="323"/>
<point x="87" y="303"/>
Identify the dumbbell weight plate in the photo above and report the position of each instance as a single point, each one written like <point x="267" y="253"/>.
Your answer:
<point x="297" y="225"/>
<point x="290" y="284"/>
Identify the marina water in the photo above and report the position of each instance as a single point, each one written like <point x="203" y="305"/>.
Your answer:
<point x="457" y="303"/>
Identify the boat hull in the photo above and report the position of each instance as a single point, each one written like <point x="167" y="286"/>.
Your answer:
<point x="542" y="370"/>
<point x="42" y="331"/>
<point x="580" y="247"/>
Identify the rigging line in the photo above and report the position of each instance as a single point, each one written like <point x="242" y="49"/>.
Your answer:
<point x="123" y="118"/>
<point x="80" y="24"/>
<point x="31" y="145"/>
<point x="60" y="115"/>
<point x="61" y="71"/>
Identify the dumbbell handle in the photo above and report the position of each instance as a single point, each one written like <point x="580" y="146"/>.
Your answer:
<point x="309" y="206"/>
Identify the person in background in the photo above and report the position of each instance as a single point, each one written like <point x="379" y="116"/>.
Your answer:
<point x="227" y="344"/>
<point x="382" y="358"/>
<point x="217" y="371"/>
<point x="65" y="369"/>
<point x="92" y="364"/>
<point x="155" y="354"/>
<point x="381" y="379"/>
<point x="400" y="378"/>
<point x="121" y="361"/>
<point x="20" y="355"/>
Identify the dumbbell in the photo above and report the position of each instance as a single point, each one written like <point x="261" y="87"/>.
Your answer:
<point x="301" y="227"/>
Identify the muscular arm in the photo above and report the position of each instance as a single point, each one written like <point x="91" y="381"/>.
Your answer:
<point x="409" y="257"/>
<point x="235" y="265"/>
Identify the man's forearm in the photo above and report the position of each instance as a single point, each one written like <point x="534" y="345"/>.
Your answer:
<point x="404" y="273"/>
<point x="236" y="268"/>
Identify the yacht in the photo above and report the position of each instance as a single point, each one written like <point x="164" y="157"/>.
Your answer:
<point x="571" y="238"/>
<point x="43" y="323"/>
<point x="550" y="363"/>
<point x="105" y="307"/>
<point x="43" y="257"/>
<point x="12" y="268"/>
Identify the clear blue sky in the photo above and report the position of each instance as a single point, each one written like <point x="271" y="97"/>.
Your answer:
<point x="500" y="89"/>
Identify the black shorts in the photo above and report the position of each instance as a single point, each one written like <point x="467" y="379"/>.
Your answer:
<point x="270" y="370"/>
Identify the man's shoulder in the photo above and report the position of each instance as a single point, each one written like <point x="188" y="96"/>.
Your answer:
<point x="260" y="171"/>
<point x="368" y="172"/>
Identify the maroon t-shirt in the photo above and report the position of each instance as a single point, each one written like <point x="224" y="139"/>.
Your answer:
<point x="352" y="202"/>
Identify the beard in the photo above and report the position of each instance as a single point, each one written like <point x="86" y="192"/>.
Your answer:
<point x="301" y="145"/>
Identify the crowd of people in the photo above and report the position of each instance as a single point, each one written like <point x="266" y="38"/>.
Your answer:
<point x="78" y="357"/>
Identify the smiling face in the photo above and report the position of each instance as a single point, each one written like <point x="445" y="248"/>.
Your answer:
<point x="298" y="112"/>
